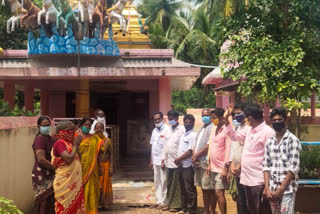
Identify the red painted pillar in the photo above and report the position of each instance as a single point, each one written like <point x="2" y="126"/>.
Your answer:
<point x="28" y="98"/>
<point x="9" y="93"/>
<point x="278" y="104"/>
<point x="44" y="107"/>
<point x="222" y="99"/>
<point x="233" y="97"/>
<point x="266" y="112"/>
<point x="164" y="95"/>
<point x="313" y="105"/>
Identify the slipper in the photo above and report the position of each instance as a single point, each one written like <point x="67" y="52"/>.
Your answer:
<point x="154" y="206"/>
<point x="165" y="208"/>
<point x="161" y="206"/>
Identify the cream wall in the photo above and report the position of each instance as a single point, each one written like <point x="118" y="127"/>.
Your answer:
<point x="16" y="162"/>
<point x="313" y="133"/>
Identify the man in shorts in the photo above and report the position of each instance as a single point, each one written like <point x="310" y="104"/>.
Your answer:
<point x="199" y="159"/>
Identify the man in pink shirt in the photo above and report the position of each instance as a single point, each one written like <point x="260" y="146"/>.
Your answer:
<point x="254" y="138"/>
<point x="219" y="159"/>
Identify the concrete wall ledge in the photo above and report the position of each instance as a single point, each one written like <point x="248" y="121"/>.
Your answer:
<point x="17" y="122"/>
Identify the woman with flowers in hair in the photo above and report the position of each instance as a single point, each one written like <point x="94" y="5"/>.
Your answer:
<point x="67" y="184"/>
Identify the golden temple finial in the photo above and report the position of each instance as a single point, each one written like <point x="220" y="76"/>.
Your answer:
<point x="136" y="32"/>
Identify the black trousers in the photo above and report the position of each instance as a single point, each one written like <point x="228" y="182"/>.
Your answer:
<point x="256" y="204"/>
<point x="242" y="200"/>
<point x="189" y="191"/>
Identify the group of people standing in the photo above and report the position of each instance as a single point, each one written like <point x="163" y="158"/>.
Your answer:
<point x="235" y="149"/>
<point x="72" y="170"/>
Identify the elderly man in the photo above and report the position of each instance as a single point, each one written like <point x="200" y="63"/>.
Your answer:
<point x="170" y="154"/>
<point x="157" y="142"/>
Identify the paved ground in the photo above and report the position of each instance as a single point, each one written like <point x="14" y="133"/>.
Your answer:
<point x="133" y="190"/>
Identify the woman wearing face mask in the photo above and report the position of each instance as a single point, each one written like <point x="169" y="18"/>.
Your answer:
<point x="100" y="117"/>
<point x="89" y="150"/>
<point x="105" y="164"/>
<point x="43" y="170"/>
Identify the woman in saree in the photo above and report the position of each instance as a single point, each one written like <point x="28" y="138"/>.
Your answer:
<point x="105" y="164"/>
<point x="43" y="170"/>
<point x="89" y="150"/>
<point x="67" y="184"/>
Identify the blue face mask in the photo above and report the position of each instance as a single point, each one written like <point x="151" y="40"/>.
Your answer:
<point x="206" y="119"/>
<point x="45" y="130"/>
<point x="172" y="122"/>
<point x="236" y="123"/>
<point x="85" y="130"/>
<point x="239" y="117"/>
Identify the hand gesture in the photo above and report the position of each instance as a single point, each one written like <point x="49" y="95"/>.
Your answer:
<point x="110" y="172"/>
<point x="267" y="194"/>
<point x="151" y="165"/>
<point x="163" y="166"/>
<point x="177" y="161"/>
<point x="278" y="194"/>
<point x="195" y="160"/>
<point x="77" y="141"/>
<point x="227" y="114"/>
<point x="208" y="170"/>
<point x="223" y="173"/>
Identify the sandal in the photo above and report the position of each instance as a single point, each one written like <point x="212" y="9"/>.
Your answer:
<point x="173" y="210"/>
<point x="165" y="208"/>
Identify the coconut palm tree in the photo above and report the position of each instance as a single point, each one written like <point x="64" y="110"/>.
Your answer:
<point x="159" y="11"/>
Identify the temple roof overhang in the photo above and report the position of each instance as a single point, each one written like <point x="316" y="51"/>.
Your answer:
<point x="132" y="64"/>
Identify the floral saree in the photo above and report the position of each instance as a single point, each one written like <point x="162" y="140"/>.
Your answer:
<point x="89" y="150"/>
<point x="67" y="184"/>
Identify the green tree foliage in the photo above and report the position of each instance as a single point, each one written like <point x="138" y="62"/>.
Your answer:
<point x="281" y="57"/>
<point x="7" y="111"/>
<point x="7" y="207"/>
<point x="193" y="98"/>
<point x="159" y="11"/>
<point x="18" y="38"/>
<point x="310" y="162"/>
<point x="14" y="40"/>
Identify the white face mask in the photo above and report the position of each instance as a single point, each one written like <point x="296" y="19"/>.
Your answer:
<point x="159" y="125"/>
<point x="101" y="119"/>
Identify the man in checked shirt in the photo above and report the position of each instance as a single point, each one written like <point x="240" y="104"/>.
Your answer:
<point x="281" y="165"/>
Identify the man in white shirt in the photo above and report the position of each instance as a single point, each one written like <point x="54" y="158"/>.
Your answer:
<point x="200" y="151"/>
<point x="170" y="154"/>
<point x="157" y="143"/>
<point x="186" y="171"/>
<point x="100" y="117"/>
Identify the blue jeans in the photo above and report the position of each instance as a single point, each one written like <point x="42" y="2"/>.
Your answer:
<point x="242" y="200"/>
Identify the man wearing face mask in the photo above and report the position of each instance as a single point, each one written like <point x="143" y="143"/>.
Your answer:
<point x="184" y="161"/>
<point x="100" y="117"/>
<point x="157" y="142"/>
<point x="236" y="152"/>
<point x="281" y="165"/>
<point x="219" y="159"/>
<point x="199" y="159"/>
<point x="170" y="154"/>
<point x="251" y="176"/>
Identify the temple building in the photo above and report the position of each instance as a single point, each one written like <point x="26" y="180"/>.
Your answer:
<point x="129" y="87"/>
